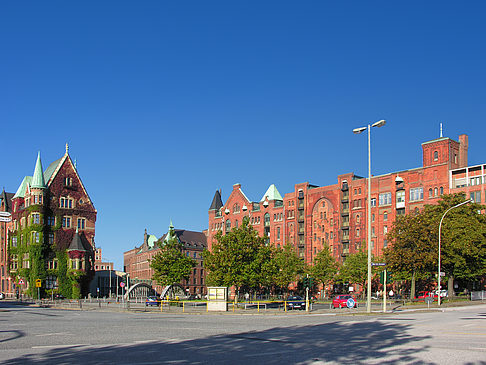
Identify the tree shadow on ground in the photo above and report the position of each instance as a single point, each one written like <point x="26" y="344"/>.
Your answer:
<point x="338" y="342"/>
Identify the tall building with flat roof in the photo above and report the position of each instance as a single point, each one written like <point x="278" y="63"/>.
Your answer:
<point x="312" y="217"/>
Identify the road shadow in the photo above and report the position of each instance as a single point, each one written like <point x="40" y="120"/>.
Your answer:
<point x="338" y="342"/>
<point x="10" y="335"/>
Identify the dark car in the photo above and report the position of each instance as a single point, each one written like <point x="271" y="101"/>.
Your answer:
<point x="340" y="301"/>
<point x="59" y="296"/>
<point x="153" y="300"/>
<point x="295" y="302"/>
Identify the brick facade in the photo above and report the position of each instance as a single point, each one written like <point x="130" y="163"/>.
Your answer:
<point x="311" y="217"/>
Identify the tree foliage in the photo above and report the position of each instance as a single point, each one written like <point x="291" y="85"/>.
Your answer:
<point x="238" y="258"/>
<point x="287" y="266"/>
<point x="415" y="240"/>
<point x="325" y="267"/>
<point x="355" y="268"/>
<point x="170" y="264"/>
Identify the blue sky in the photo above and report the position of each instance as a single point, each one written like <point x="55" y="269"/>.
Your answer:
<point x="162" y="103"/>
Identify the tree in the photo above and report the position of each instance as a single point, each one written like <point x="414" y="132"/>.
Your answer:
<point x="170" y="264"/>
<point x="287" y="266"/>
<point x="411" y="256"/>
<point x="355" y="268"/>
<point x="415" y="240"/>
<point x="325" y="267"/>
<point x="238" y="258"/>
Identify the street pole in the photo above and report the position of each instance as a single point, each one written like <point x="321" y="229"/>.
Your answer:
<point x="307" y="295"/>
<point x="440" y="227"/>
<point x="358" y="131"/>
<point x="384" y="291"/>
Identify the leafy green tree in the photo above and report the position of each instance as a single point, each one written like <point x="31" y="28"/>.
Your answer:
<point x="355" y="268"/>
<point x="411" y="255"/>
<point x="325" y="267"/>
<point x="287" y="266"/>
<point x="238" y="258"/>
<point x="170" y="264"/>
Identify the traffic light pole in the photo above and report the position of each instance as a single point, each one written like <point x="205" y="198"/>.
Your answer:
<point x="307" y="294"/>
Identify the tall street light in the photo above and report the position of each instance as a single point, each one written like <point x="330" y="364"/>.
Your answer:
<point x="440" y="227"/>
<point x="358" y="131"/>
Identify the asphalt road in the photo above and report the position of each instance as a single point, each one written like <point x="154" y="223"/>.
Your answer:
<point x="31" y="335"/>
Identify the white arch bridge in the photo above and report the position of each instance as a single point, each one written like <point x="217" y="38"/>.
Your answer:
<point x="140" y="290"/>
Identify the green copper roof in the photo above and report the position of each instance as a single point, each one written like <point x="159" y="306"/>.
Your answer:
<point x="50" y="169"/>
<point x="23" y="187"/>
<point x="272" y="194"/>
<point x="38" y="178"/>
<point x="151" y="241"/>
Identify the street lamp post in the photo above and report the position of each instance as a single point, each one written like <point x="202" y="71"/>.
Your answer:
<point x="358" y="131"/>
<point x="440" y="228"/>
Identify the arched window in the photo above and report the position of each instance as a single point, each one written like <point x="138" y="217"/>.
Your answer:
<point x="436" y="155"/>
<point x="385" y="216"/>
<point x="358" y="218"/>
<point x="357" y="232"/>
<point x="436" y="192"/>
<point x="236" y="223"/>
<point x="266" y="219"/>
<point x="228" y="225"/>
<point x="430" y="193"/>
<point x="441" y="190"/>
<point x="236" y="208"/>
<point x="278" y="233"/>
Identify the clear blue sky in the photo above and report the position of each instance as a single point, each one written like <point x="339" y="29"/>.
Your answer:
<point x="164" y="102"/>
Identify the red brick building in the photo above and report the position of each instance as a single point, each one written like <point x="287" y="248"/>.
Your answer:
<point x="137" y="261"/>
<point x="51" y="236"/>
<point x="311" y="216"/>
<point x="6" y="282"/>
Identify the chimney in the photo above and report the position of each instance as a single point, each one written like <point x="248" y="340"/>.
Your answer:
<point x="463" y="147"/>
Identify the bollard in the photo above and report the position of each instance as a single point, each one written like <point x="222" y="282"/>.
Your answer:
<point x="258" y="305"/>
<point x="183" y="308"/>
<point x="285" y="305"/>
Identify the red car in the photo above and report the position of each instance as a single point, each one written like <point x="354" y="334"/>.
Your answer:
<point x="425" y="294"/>
<point x="340" y="301"/>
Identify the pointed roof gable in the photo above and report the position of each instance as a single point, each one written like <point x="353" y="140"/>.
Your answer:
<point x="23" y="187"/>
<point x="272" y="194"/>
<point x="217" y="202"/>
<point x="6" y="198"/>
<point x="38" y="177"/>
<point x="76" y="243"/>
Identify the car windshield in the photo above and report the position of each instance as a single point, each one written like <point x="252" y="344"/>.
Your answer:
<point x="295" y="298"/>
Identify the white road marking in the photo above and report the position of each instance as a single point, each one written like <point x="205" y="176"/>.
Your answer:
<point x="60" y="346"/>
<point x="54" y="334"/>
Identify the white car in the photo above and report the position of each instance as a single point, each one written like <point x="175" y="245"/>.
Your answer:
<point x="2" y="296"/>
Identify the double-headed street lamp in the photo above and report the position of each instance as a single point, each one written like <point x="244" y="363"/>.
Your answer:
<point x="440" y="227"/>
<point x="358" y="131"/>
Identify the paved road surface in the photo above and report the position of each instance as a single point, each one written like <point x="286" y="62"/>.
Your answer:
<point x="51" y="336"/>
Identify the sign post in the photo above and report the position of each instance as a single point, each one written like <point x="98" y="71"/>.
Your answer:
<point x="38" y="284"/>
<point x="122" y="285"/>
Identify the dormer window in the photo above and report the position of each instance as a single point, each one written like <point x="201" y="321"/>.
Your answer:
<point x="68" y="181"/>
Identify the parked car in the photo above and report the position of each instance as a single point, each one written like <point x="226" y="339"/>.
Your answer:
<point x="193" y="297"/>
<point x="2" y="296"/>
<point x="152" y="300"/>
<point x="443" y="293"/>
<point x="295" y="302"/>
<point x="425" y="294"/>
<point x="340" y="301"/>
<point x="59" y="296"/>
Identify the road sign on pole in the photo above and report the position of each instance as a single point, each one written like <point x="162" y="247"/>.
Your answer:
<point x="38" y="283"/>
<point x="21" y="282"/>
<point x="5" y="214"/>
<point x="5" y="219"/>
<point x="378" y="264"/>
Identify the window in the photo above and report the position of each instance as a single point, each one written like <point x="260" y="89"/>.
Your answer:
<point x="236" y="208"/>
<point x="278" y="233"/>
<point x="400" y="196"/>
<point x="51" y="221"/>
<point x="65" y="203"/>
<point x="35" y="237"/>
<point x="68" y="181"/>
<point x="373" y="231"/>
<point x="385" y="243"/>
<point x="66" y="222"/>
<point x="385" y="199"/>
<point x="385" y="229"/>
<point x="26" y="261"/>
<point x="441" y="189"/>
<point x="51" y="238"/>
<point x="373" y="202"/>
<point x="359" y="190"/>
<point x="436" y="191"/>
<point x="430" y="193"/>
<point x="228" y="225"/>
<point x="416" y="194"/>
<point x="74" y="265"/>
<point x="373" y="217"/>
<point x="357" y="232"/>
<point x="14" y="241"/>
<point x="35" y="218"/>
<point x="81" y="223"/>
<point x="436" y="155"/>
<point x="236" y="223"/>
<point x="266" y="219"/>
<point x="475" y="196"/>
<point x="358" y="219"/>
<point x="385" y="216"/>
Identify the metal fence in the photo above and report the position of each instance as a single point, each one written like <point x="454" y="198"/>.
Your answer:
<point x="478" y="295"/>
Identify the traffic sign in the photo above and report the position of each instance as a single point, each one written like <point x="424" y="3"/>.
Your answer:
<point x="38" y="283"/>
<point x="442" y="273"/>
<point x="21" y="282"/>
<point x="122" y="284"/>
<point x="350" y="303"/>
<point x="5" y="219"/>
<point x="5" y="214"/>
<point x="378" y="264"/>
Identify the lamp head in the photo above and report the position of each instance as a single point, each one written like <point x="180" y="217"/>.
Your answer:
<point x="359" y="130"/>
<point x="380" y="123"/>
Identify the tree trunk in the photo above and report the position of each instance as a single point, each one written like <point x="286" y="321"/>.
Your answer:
<point x="412" y="287"/>
<point x="450" y="286"/>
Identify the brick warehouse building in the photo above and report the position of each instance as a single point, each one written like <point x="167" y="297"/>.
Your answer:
<point x="137" y="261"/>
<point x="312" y="217"/>
<point x="51" y="235"/>
<point x="6" y="283"/>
